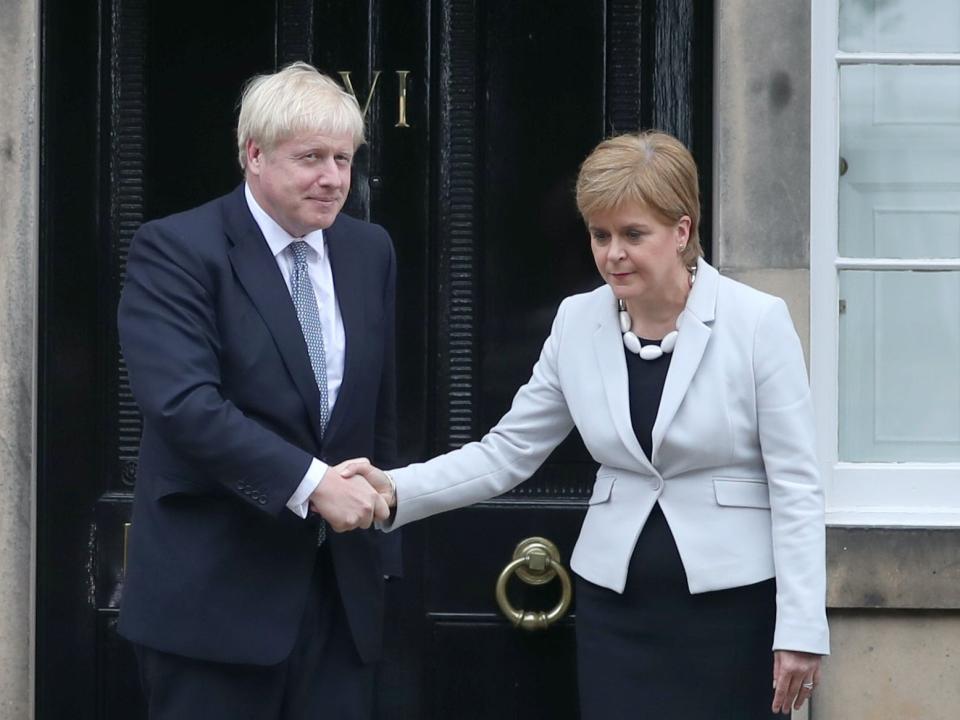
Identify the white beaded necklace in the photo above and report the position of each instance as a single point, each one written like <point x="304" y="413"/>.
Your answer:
<point x="632" y="342"/>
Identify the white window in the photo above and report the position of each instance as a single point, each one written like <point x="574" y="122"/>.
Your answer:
<point x="885" y="258"/>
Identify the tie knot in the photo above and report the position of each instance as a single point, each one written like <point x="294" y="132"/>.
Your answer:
<point x="299" y="251"/>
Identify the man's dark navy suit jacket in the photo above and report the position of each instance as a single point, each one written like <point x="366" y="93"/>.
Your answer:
<point x="218" y="568"/>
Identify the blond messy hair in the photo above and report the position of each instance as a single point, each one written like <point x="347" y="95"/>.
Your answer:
<point x="298" y="98"/>
<point x="651" y="169"/>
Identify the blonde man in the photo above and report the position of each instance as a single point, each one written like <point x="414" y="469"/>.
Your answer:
<point x="245" y="597"/>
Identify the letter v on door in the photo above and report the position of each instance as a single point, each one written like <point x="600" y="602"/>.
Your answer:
<point x="402" y="76"/>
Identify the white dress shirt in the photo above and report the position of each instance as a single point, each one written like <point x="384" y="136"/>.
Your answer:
<point x="334" y="337"/>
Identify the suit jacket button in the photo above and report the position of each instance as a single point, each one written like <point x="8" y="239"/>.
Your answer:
<point x="262" y="500"/>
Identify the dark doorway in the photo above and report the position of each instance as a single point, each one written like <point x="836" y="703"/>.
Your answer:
<point x="479" y="115"/>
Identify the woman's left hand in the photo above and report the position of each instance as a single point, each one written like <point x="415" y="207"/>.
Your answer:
<point x="795" y="675"/>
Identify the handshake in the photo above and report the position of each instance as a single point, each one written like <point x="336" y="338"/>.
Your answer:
<point x="353" y="495"/>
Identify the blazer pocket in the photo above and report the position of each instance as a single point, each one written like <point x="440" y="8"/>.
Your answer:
<point x="742" y="492"/>
<point x="602" y="489"/>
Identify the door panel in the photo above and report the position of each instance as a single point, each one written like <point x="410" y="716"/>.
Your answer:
<point x="483" y="649"/>
<point x="542" y="111"/>
<point x="477" y="122"/>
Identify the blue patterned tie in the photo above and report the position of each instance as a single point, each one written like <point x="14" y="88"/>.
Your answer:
<point x="305" y="301"/>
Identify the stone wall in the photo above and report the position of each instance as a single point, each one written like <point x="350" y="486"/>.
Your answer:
<point x="762" y="148"/>
<point x="18" y="292"/>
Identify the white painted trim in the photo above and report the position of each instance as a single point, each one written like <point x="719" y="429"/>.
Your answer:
<point x="908" y="493"/>
<point x="902" y="517"/>
<point x="922" y="264"/>
<point x="878" y="58"/>
<point x="900" y="494"/>
<point x="824" y="192"/>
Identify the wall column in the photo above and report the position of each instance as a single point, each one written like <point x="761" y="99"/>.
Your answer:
<point x="19" y="153"/>
<point x="762" y="148"/>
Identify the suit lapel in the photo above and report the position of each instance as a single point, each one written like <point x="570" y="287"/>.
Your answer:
<point x="694" y="326"/>
<point x="349" y="284"/>
<point x="257" y="271"/>
<point x="608" y="346"/>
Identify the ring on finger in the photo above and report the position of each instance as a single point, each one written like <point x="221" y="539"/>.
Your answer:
<point x="807" y="686"/>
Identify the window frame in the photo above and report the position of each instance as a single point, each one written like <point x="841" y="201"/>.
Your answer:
<point x="907" y="493"/>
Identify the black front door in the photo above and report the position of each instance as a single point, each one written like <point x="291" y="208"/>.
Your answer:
<point x="479" y="113"/>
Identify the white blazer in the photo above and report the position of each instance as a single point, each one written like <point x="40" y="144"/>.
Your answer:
<point x="733" y="450"/>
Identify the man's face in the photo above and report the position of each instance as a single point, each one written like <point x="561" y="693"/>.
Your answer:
<point x="303" y="181"/>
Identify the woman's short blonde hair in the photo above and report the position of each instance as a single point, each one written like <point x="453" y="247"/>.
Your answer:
<point x="298" y="98"/>
<point x="651" y="169"/>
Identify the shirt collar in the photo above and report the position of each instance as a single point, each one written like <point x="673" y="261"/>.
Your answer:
<point x="277" y="238"/>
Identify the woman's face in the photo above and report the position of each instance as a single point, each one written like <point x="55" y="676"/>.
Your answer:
<point x="637" y="254"/>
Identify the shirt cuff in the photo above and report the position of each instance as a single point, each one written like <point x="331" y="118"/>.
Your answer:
<point x="299" y="502"/>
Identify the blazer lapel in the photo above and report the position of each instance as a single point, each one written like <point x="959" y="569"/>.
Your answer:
<point x="608" y="346"/>
<point x="694" y="327"/>
<point x="257" y="271"/>
<point x="350" y="284"/>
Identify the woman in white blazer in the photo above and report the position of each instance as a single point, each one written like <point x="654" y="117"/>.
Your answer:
<point x="702" y="549"/>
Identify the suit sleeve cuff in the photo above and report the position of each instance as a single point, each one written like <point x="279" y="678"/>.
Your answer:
<point x="299" y="502"/>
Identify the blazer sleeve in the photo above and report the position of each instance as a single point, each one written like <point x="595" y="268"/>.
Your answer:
<point x="538" y="421"/>
<point x="786" y="431"/>
<point x="167" y="321"/>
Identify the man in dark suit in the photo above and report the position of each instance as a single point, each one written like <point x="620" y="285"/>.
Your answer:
<point x="258" y="331"/>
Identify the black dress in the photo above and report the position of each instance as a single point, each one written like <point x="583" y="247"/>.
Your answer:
<point x="656" y="651"/>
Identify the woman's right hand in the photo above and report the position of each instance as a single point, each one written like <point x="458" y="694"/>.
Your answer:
<point x="378" y="479"/>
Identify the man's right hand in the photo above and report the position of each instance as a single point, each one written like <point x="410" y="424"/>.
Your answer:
<point x="347" y="503"/>
<point x="376" y="477"/>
